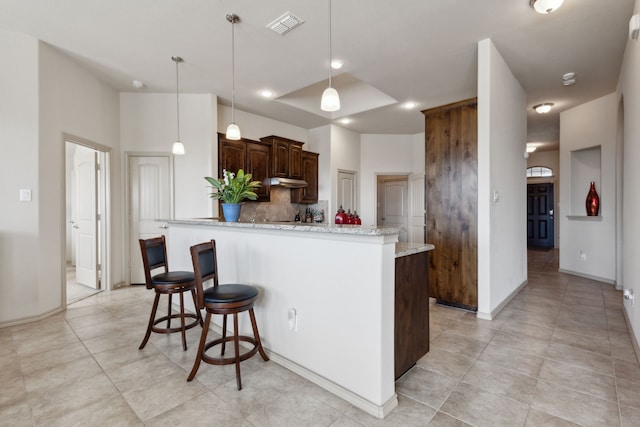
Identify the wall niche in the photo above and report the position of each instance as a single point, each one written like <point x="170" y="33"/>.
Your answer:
<point x="585" y="167"/>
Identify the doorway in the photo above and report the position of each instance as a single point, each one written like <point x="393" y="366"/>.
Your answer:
<point x="393" y="203"/>
<point x="87" y="199"/>
<point x="150" y="198"/>
<point x="540" y="229"/>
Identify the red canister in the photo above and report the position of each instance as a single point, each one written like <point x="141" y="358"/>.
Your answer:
<point x="341" y="217"/>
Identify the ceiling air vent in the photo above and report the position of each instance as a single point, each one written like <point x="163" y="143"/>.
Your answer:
<point x="285" y="23"/>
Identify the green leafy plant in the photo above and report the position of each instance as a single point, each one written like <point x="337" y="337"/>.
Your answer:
<point x="233" y="188"/>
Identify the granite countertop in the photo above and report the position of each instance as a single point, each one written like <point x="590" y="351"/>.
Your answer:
<point x="405" y="248"/>
<point x="313" y="227"/>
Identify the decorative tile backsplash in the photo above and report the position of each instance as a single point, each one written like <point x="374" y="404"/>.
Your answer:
<point x="279" y="208"/>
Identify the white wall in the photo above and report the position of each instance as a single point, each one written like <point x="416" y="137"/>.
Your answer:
<point x="45" y="94"/>
<point x="629" y="88"/>
<point x="72" y="101"/>
<point x="549" y="159"/>
<point x="19" y="283"/>
<point x="255" y="127"/>
<point x="386" y="155"/>
<point x="502" y="130"/>
<point x="589" y="125"/>
<point x="319" y="141"/>
<point x="149" y="124"/>
<point x="345" y="155"/>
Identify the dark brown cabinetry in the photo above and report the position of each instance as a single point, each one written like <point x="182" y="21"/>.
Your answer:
<point x="287" y="156"/>
<point x="309" y="194"/>
<point x="411" y="310"/>
<point x="258" y="165"/>
<point x="252" y="156"/>
<point x="451" y="165"/>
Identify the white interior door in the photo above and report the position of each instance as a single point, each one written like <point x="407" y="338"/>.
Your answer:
<point x="416" y="208"/>
<point x="86" y="221"/>
<point x="347" y="190"/>
<point x="150" y="200"/>
<point x="395" y="206"/>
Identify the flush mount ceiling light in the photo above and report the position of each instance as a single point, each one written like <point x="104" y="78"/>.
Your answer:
<point x="330" y="99"/>
<point x="543" y="108"/>
<point x="285" y="23"/>
<point x="569" y="79"/>
<point x="409" y="105"/>
<point x="545" y="6"/>
<point x="345" y="121"/>
<point x="233" y="131"/>
<point x="138" y="84"/>
<point x="178" y="147"/>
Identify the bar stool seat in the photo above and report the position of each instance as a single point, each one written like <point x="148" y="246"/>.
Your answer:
<point x="222" y="299"/>
<point x="154" y="256"/>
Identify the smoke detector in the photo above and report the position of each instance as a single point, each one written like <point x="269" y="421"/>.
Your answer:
<point x="285" y="23"/>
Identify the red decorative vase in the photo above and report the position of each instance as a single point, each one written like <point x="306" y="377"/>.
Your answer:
<point x="593" y="201"/>
<point x="341" y="217"/>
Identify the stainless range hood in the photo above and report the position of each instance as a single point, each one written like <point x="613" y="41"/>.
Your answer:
<point x="285" y="182"/>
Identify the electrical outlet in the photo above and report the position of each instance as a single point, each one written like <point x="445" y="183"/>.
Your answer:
<point x="292" y="317"/>
<point x="583" y="256"/>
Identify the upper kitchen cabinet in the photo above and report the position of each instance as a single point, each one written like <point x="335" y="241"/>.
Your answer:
<point x="308" y="194"/>
<point x="252" y="156"/>
<point x="232" y="155"/>
<point x="286" y="156"/>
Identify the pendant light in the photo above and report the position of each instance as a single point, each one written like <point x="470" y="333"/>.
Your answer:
<point x="233" y="131"/>
<point x="178" y="147"/>
<point x="330" y="99"/>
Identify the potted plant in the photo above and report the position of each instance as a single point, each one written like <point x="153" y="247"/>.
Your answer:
<point x="231" y="190"/>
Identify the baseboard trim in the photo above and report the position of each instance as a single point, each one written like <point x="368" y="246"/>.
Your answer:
<point x="634" y="341"/>
<point x="32" y="318"/>
<point x="587" y="276"/>
<point x="492" y="315"/>
<point x="378" y="411"/>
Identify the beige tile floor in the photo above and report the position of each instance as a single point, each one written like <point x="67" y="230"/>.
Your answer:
<point x="558" y="355"/>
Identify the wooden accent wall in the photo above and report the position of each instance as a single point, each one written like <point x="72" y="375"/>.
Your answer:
<point x="451" y="170"/>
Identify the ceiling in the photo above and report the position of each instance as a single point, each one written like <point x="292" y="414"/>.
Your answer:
<point x="423" y="51"/>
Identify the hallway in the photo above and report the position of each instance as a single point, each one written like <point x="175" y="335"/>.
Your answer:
<point x="559" y="354"/>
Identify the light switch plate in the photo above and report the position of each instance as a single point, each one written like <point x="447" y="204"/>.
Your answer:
<point x="25" y="195"/>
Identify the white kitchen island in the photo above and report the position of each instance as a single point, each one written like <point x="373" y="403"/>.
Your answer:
<point x="338" y="279"/>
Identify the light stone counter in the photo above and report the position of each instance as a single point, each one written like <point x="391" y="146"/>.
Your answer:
<point x="361" y="230"/>
<point x="405" y="248"/>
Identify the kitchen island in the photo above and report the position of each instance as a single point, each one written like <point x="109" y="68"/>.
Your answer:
<point x="339" y="281"/>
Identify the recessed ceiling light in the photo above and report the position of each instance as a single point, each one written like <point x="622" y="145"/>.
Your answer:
<point x="543" y="108"/>
<point x="545" y="6"/>
<point x="409" y="105"/>
<point x="138" y="84"/>
<point x="345" y="121"/>
<point x="336" y="64"/>
<point x="266" y="93"/>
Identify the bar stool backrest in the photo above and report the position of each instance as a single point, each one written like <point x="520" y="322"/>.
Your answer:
<point x="154" y="255"/>
<point x="205" y="267"/>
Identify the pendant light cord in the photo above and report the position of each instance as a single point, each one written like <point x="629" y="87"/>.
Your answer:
<point x="178" y="59"/>
<point x="330" y="44"/>
<point x="233" y="68"/>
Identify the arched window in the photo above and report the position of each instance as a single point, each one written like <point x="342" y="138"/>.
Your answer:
<point x="539" y="172"/>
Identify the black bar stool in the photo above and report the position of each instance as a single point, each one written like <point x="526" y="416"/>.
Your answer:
<point x="154" y="255"/>
<point x="222" y="299"/>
